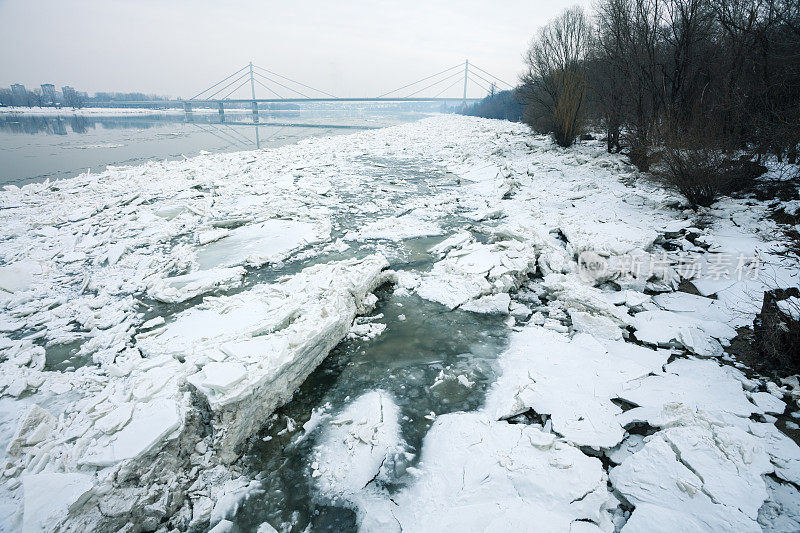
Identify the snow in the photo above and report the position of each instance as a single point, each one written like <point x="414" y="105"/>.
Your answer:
<point x="49" y="497"/>
<point x="254" y="348"/>
<point x="356" y="444"/>
<point x="479" y="474"/>
<point x="257" y="244"/>
<point x="474" y="270"/>
<point x="178" y="289"/>
<point x="163" y="395"/>
<point x="790" y="307"/>
<point x="96" y="111"/>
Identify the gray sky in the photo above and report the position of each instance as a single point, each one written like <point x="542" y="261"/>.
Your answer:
<point x="179" y="47"/>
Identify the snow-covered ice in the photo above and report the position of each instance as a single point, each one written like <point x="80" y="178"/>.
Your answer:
<point x="606" y="414"/>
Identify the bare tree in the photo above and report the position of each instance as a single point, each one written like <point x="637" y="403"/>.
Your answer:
<point x="554" y="85"/>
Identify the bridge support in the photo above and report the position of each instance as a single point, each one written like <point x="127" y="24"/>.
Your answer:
<point x="466" y="71"/>
<point x="221" y="112"/>
<point x="187" y="108"/>
<point x="253" y="94"/>
<point x="255" y="111"/>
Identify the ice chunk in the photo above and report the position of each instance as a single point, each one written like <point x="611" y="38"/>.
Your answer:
<point x="693" y="383"/>
<point x="266" y="340"/>
<point x="478" y="474"/>
<point x="181" y="288"/>
<point x="18" y="276"/>
<point x="781" y="511"/>
<point x="395" y="229"/>
<point x="211" y="235"/>
<point x="665" y="492"/>
<point x="574" y="381"/>
<point x="477" y="269"/>
<point x="223" y="526"/>
<point x="51" y="496"/>
<point x="356" y="445"/>
<point x="729" y="461"/>
<point x="768" y="403"/>
<point x="665" y="328"/>
<point x="256" y="244"/>
<point x="116" y="419"/>
<point x="219" y="377"/>
<point x="457" y="240"/>
<point x="596" y="325"/>
<point x="494" y="304"/>
<point x="33" y="428"/>
<point x="151" y="423"/>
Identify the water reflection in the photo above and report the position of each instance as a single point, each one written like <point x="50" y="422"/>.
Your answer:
<point x="34" y="148"/>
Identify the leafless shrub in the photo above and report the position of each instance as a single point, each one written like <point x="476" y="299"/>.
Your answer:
<point x="554" y="87"/>
<point x="777" y="329"/>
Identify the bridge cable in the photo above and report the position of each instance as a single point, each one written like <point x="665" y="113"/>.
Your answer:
<point x="448" y="87"/>
<point x="282" y="85"/>
<point x="238" y="135"/>
<point x="231" y="83"/>
<point x="482" y="86"/>
<point x="297" y="82"/>
<point x="236" y="89"/>
<point x="221" y="81"/>
<point x="267" y="88"/>
<point x="235" y="142"/>
<point x="423" y="79"/>
<point x="450" y="77"/>
<point x="490" y="82"/>
<point x="492" y="75"/>
<point x="245" y="142"/>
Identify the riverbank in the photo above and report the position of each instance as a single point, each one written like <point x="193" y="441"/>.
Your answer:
<point x="95" y="111"/>
<point x="136" y="372"/>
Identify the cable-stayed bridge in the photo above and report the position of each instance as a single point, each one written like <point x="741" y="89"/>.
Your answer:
<point x="250" y="83"/>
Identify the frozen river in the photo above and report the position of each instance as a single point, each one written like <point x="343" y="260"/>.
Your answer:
<point x="34" y="148"/>
<point x="386" y="331"/>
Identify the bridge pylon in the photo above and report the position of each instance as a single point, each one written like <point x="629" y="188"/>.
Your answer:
<point x="466" y="73"/>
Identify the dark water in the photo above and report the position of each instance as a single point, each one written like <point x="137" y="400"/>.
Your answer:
<point x="35" y="148"/>
<point x="406" y="361"/>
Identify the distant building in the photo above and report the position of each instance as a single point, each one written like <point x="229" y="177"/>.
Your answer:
<point x="19" y="96"/>
<point x="48" y="94"/>
<point x="72" y="97"/>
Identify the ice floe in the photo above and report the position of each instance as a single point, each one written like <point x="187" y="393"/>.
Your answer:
<point x="160" y="397"/>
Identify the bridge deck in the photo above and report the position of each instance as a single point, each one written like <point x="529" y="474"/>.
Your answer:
<point x="278" y="100"/>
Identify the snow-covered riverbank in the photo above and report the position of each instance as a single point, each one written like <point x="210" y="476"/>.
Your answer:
<point x="152" y="317"/>
<point x="96" y="111"/>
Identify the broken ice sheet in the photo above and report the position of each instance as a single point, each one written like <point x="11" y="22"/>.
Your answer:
<point x="573" y="381"/>
<point x="256" y="244"/>
<point x="253" y="349"/>
<point x="477" y="474"/>
<point x="178" y="289"/>
<point x="356" y="444"/>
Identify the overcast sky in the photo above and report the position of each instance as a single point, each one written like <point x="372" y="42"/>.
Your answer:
<point x="179" y="47"/>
